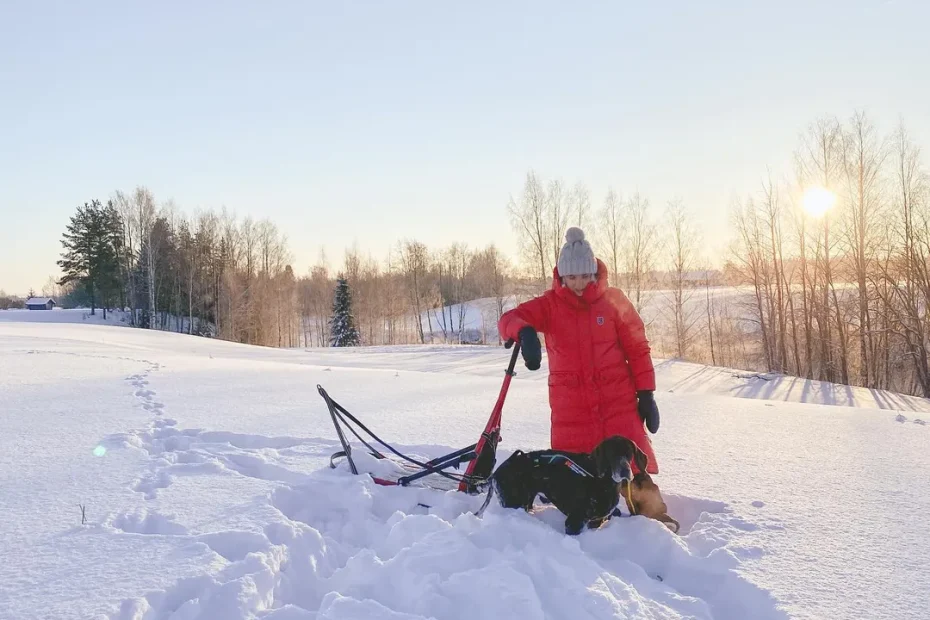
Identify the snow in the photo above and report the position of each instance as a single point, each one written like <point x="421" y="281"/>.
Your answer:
<point x="202" y="469"/>
<point x="60" y="315"/>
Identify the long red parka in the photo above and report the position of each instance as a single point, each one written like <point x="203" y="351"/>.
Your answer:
<point x="598" y="358"/>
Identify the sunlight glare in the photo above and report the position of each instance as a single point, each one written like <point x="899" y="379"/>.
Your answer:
<point x="818" y="201"/>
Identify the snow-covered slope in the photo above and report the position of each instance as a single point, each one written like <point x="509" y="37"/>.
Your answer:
<point x="60" y="315"/>
<point x="202" y="468"/>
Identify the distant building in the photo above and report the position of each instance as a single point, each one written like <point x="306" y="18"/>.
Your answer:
<point x="40" y="303"/>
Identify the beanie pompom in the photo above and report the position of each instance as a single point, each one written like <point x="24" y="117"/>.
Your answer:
<point x="574" y="235"/>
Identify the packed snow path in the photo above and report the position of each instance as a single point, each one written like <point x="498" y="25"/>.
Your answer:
<point x="201" y="468"/>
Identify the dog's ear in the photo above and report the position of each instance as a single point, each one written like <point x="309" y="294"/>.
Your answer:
<point x="602" y="461"/>
<point x="642" y="461"/>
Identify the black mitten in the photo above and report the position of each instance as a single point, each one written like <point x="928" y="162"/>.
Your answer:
<point x="530" y="347"/>
<point x="648" y="411"/>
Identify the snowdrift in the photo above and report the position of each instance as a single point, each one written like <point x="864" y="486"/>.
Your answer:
<point x="339" y="546"/>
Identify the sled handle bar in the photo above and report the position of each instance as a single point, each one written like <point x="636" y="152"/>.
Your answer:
<point x="513" y="356"/>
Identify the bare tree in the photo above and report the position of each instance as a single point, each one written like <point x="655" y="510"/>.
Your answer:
<point x="414" y="258"/>
<point x="458" y="257"/>
<point x="531" y="224"/>
<point x="908" y="277"/>
<point x="580" y="204"/>
<point x="490" y="272"/>
<point x="321" y="299"/>
<point x="370" y="310"/>
<point x="683" y="248"/>
<point x="130" y="244"/>
<point x="749" y="256"/>
<point x="773" y="219"/>
<point x="612" y="236"/>
<point x="394" y="293"/>
<point x="863" y="162"/>
<point x="821" y="162"/>
<point x="641" y="246"/>
<point x="559" y="209"/>
<point x="799" y="227"/>
<point x="710" y="312"/>
<point x="143" y="206"/>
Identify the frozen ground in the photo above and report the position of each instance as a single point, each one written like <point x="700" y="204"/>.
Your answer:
<point x="202" y="470"/>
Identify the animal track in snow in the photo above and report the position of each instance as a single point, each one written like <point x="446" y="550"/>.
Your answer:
<point x="145" y="522"/>
<point x="143" y="393"/>
<point x="154" y="407"/>
<point x="176" y="452"/>
<point x="151" y="483"/>
<point x="232" y="545"/>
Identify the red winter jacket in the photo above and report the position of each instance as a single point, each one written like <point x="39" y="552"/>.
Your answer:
<point x="598" y="358"/>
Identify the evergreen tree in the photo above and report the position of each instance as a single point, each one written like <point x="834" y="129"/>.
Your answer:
<point x="90" y="258"/>
<point x="342" y="325"/>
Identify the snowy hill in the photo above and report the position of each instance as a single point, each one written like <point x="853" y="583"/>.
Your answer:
<point x="202" y="469"/>
<point x="60" y="315"/>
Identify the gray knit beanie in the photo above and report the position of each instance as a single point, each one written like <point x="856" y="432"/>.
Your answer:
<point x="576" y="257"/>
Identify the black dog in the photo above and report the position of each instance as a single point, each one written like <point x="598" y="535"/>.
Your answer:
<point x="585" y="487"/>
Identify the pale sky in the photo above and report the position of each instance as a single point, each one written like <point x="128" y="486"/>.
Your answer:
<point x="372" y="122"/>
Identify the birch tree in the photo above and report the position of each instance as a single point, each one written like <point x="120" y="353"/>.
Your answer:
<point x="863" y="161"/>
<point x="682" y="254"/>
<point x="611" y="236"/>
<point x="641" y="247"/>
<point x="144" y="210"/>
<point x="531" y="225"/>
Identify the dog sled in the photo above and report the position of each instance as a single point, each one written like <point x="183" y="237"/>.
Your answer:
<point x="440" y="473"/>
<point x="640" y="495"/>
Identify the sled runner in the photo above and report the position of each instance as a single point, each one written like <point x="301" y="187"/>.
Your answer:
<point x="480" y="456"/>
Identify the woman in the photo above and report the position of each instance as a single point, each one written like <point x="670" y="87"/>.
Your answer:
<point x="601" y="377"/>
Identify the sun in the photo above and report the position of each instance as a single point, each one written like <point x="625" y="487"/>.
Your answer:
<point x="818" y="201"/>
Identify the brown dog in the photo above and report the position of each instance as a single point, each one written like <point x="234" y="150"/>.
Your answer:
<point x="644" y="498"/>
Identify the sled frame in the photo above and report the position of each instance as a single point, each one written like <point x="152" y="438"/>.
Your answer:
<point x="480" y="456"/>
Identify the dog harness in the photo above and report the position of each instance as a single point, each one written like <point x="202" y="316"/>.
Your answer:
<point x="568" y="461"/>
<point x="554" y="458"/>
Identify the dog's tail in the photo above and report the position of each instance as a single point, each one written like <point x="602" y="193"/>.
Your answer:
<point x="487" y="500"/>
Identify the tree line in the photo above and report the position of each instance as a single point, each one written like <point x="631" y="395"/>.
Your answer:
<point x="837" y="258"/>
<point x="215" y="274"/>
<point x="827" y="277"/>
<point x="837" y="294"/>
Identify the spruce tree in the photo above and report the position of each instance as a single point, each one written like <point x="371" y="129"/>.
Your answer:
<point x="342" y="325"/>
<point x="90" y="258"/>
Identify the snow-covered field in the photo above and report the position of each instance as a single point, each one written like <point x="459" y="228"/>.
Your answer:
<point x="202" y="470"/>
<point x="60" y="315"/>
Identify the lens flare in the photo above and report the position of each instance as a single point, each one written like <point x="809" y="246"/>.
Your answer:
<point x="100" y="451"/>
